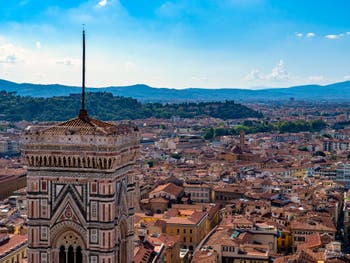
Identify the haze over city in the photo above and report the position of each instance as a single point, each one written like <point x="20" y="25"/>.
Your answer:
<point x="177" y="44"/>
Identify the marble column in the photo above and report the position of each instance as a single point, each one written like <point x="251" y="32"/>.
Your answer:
<point x="74" y="254"/>
<point x="66" y="250"/>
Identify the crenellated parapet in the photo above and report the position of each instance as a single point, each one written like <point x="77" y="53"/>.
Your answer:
<point x="77" y="144"/>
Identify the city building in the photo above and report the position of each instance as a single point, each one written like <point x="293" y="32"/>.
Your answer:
<point x="188" y="224"/>
<point x="198" y="191"/>
<point x="13" y="248"/>
<point x="343" y="174"/>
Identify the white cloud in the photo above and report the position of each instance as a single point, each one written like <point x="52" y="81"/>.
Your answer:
<point x="10" y="54"/>
<point x="199" y="78"/>
<point x="302" y="35"/>
<point x="347" y="77"/>
<point x="279" y="73"/>
<point x="336" y="36"/>
<point x="329" y="36"/>
<point x="130" y="66"/>
<point x="332" y="36"/>
<point x="280" y="76"/>
<point x="102" y="3"/>
<point x="316" y="79"/>
<point x="254" y="74"/>
<point x="68" y="61"/>
<point x="38" y="44"/>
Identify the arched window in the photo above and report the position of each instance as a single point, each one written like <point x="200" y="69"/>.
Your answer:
<point x="70" y="255"/>
<point x="62" y="255"/>
<point x="79" y="255"/>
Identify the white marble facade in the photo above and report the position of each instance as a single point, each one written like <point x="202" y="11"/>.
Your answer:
<point x="80" y="188"/>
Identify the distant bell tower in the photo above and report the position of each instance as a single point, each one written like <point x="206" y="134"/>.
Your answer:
<point x="80" y="189"/>
<point x="242" y="137"/>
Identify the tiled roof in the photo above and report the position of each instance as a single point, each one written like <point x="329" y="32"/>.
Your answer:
<point x="311" y="241"/>
<point x="184" y="217"/>
<point x="170" y="188"/>
<point x="221" y="236"/>
<point x="14" y="241"/>
<point x="86" y="126"/>
<point x="205" y="257"/>
<point x="311" y="226"/>
<point x="145" y="253"/>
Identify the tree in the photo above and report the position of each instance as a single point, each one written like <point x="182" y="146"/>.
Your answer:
<point x="220" y="132"/>
<point x="209" y="134"/>
<point x="303" y="148"/>
<point x="150" y="163"/>
<point x="320" y="153"/>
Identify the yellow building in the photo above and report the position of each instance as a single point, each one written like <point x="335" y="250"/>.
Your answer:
<point x="300" y="174"/>
<point x="13" y="248"/>
<point x="212" y="210"/>
<point x="190" y="225"/>
<point x="284" y="241"/>
<point x="190" y="222"/>
<point x="171" y="247"/>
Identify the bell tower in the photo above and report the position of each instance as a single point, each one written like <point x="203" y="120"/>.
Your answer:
<point x="80" y="189"/>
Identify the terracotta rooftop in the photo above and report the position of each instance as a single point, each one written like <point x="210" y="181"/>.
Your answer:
<point x="167" y="240"/>
<point x="221" y="236"/>
<point x="184" y="217"/>
<point x="11" y="174"/>
<point x="13" y="242"/>
<point x="144" y="253"/>
<point x="170" y="188"/>
<point x="312" y="225"/>
<point x="158" y="200"/>
<point x="86" y="126"/>
<point x="311" y="241"/>
<point x="204" y="256"/>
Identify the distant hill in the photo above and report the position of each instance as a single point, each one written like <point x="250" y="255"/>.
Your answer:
<point x="105" y="106"/>
<point x="337" y="91"/>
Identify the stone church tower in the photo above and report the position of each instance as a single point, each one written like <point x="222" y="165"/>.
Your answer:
<point x="80" y="188"/>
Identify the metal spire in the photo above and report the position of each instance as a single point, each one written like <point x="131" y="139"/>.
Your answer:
<point x="83" y="112"/>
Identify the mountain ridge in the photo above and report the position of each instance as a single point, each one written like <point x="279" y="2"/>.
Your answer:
<point x="144" y="93"/>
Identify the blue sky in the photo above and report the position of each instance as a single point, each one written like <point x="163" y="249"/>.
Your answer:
<point x="176" y="43"/>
